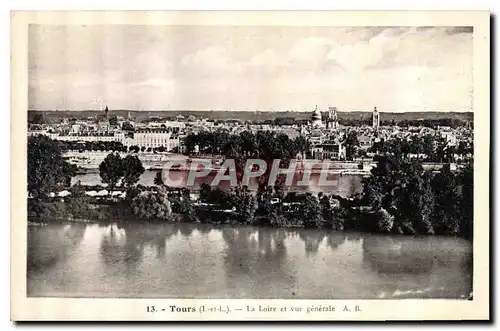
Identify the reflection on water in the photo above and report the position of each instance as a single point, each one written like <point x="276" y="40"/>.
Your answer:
<point x="205" y="261"/>
<point x="50" y="244"/>
<point x="426" y="259"/>
<point x="255" y="261"/>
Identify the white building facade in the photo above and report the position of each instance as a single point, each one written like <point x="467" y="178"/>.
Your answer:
<point x="153" y="138"/>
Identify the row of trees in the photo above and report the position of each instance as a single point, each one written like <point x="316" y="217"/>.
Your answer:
<point x="114" y="169"/>
<point x="113" y="146"/>
<point x="102" y="146"/>
<point x="261" y="143"/>
<point x="429" y="123"/>
<point x="407" y="199"/>
<point x="242" y="206"/>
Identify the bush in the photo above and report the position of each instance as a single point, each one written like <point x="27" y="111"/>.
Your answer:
<point x="385" y="221"/>
<point x="151" y="206"/>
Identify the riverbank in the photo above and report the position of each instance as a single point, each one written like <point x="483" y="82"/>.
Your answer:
<point x="344" y="217"/>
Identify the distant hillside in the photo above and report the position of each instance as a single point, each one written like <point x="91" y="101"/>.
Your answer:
<point x="50" y="116"/>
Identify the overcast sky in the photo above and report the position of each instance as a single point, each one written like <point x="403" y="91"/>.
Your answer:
<point x="249" y="68"/>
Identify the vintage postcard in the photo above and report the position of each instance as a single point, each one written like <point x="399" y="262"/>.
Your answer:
<point x="255" y="166"/>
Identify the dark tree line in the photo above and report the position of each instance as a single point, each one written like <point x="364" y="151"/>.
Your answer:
<point x="430" y="123"/>
<point x="263" y="145"/>
<point x="102" y="146"/>
<point x="406" y="199"/>
<point x="222" y="142"/>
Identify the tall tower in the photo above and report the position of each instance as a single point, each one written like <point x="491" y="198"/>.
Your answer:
<point x="332" y="118"/>
<point x="106" y="111"/>
<point x="375" y="118"/>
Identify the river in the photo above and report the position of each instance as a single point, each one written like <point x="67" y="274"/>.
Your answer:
<point x="207" y="261"/>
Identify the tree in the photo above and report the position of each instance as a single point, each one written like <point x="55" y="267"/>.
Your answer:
<point x="311" y="211"/>
<point x="127" y="126"/>
<point x="78" y="201"/>
<point x="190" y="141"/>
<point x="246" y="204"/>
<point x="134" y="149"/>
<point x="205" y="190"/>
<point x="132" y="170"/>
<point x="329" y="215"/>
<point x="111" y="170"/>
<point x="113" y="120"/>
<point x="416" y="146"/>
<point x="158" y="178"/>
<point x="351" y="144"/>
<point x="39" y="118"/>
<point x="47" y="170"/>
<point x="248" y="143"/>
<point x="221" y="198"/>
<point x="186" y="207"/>
<point x="277" y="218"/>
<point x="152" y="206"/>
<point x="400" y="186"/>
<point x="428" y="146"/>
<point x="441" y="150"/>
<point x="466" y="200"/>
<point x="446" y="217"/>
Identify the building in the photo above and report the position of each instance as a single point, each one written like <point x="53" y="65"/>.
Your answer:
<point x="167" y="125"/>
<point x="365" y="141"/>
<point x="332" y="121"/>
<point x="102" y="121"/>
<point x="153" y="138"/>
<point x="316" y="118"/>
<point x="40" y="130"/>
<point x="328" y="150"/>
<point x="316" y="137"/>
<point x="375" y="119"/>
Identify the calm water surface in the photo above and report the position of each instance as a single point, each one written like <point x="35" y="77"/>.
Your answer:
<point x="205" y="261"/>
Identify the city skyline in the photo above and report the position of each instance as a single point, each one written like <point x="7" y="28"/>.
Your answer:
<point x="250" y="68"/>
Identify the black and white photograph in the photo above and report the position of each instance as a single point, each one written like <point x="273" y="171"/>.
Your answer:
<point x="257" y="162"/>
